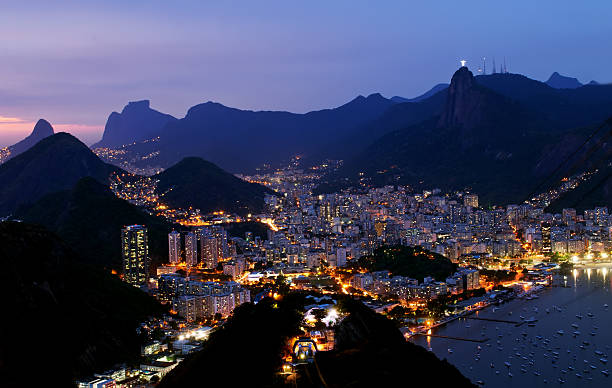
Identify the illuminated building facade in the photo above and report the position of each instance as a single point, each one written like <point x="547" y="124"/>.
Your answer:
<point x="191" y="250"/>
<point x="135" y="252"/>
<point x="174" y="247"/>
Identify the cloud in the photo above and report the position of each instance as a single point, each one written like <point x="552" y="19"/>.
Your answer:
<point x="14" y="129"/>
<point x="10" y="120"/>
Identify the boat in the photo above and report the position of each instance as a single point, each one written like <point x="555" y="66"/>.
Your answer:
<point x="510" y="374"/>
<point x="507" y="364"/>
<point x="590" y="315"/>
<point x="570" y="367"/>
<point x="492" y="366"/>
<point x="579" y="316"/>
<point x="605" y="305"/>
<point x="605" y="361"/>
<point x="576" y="333"/>
<point x="575" y="326"/>
<point x="560" y="332"/>
<point x="536" y="373"/>
<point x="561" y="380"/>
<point x="450" y="350"/>
<point x="578" y="375"/>
<point x="593" y="333"/>
<point x="599" y="352"/>
<point x="480" y="382"/>
<point x="593" y="366"/>
<point x="605" y="372"/>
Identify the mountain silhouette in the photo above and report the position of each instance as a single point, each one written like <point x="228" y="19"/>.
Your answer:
<point x="136" y="122"/>
<point x="481" y="139"/>
<point x="427" y="94"/>
<point x="242" y="140"/>
<point x="194" y="182"/>
<point x="559" y="81"/>
<point x="89" y="217"/>
<point x="41" y="130"/>
<point x="55" y="163"/>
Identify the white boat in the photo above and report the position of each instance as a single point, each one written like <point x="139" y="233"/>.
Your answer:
<point x="603" y="360"/>
<point x="605" y="372"/>
<point x="560" y="332"/>
<point x="450" y="350"/>
<point x="507" y="364"/>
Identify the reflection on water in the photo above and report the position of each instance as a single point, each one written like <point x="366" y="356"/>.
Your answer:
<point x="562" y="337"/>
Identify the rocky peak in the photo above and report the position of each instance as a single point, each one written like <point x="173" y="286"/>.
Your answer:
<point x="42" y="129"/>
<point x="462" y="101"/>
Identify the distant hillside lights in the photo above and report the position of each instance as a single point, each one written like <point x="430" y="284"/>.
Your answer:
<point x="135" y="252"/>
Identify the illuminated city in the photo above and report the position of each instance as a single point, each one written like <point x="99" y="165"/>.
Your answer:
<point x="323" y="195"/>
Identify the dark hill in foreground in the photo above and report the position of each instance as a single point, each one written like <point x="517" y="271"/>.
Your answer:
<point x="90" y="217"/>
<point x="194" y="182"/>
<point x="370" y="351"/>
<point x="53" y="164"/>
<point x="61" y="319"/>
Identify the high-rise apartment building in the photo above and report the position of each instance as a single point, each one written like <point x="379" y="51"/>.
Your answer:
<point x="135" y="252"/>
<point x="210" y="251"/>
<point x="174" y="247"/>
<point x="191" y="250"/>
<point x="470" y="200"/>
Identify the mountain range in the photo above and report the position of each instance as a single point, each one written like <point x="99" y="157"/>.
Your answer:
<point x="58" y="162"/>
<point x="55" y="163"/>
<point x="496" y="134"/>
<point x="89" y="217"/>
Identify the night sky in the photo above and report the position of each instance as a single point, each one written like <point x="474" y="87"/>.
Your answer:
<point x="73" y="62"/>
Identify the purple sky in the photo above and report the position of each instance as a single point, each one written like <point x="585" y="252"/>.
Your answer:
<point x="73" y="62"/>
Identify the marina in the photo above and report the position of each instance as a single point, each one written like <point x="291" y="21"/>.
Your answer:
<point x="556" y="340"/>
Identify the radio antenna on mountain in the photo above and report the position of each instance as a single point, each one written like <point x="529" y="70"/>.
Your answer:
<point x="484" y="65"/>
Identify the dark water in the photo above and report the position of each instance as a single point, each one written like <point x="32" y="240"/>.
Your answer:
<point x="553" y="356"/>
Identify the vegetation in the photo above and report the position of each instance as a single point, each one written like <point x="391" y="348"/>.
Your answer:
<point x="194" y="182"/>
<point x="238" y="229"/>
<point x="414" y="262"/>
<point x="498" y="276"/>
<point x="89" y="217"/>
<point x="55" y="163"/>
<point x="64" y="318"/>
<point x="254" y="337"/>
<point x="371" y="352"/>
